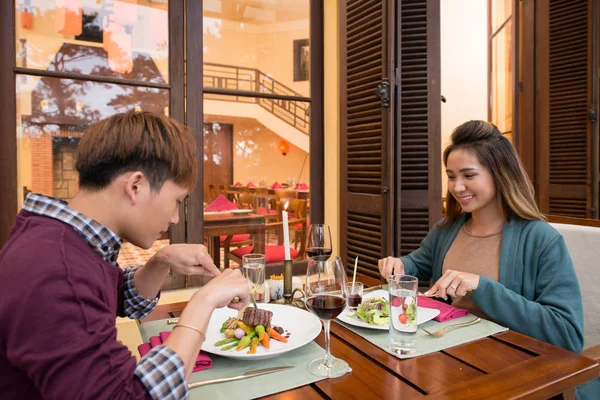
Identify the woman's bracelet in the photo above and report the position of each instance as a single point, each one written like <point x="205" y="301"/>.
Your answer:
<point x="202" y="334"/>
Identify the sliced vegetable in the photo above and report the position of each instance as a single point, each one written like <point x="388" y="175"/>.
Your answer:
<point x="277" y="336"/>
<point x="229" y="347"/>
<point x="225" y="341"/>
<point x="260" y="331"/>
<point x="253" y="345"/>
<point x="246" y="328"/>
<point x="266" y="341"/>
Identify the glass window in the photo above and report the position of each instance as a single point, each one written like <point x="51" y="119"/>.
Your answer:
<point x="110" y="38"/>
<point x="501" y="10"/>
<point x="52" y="115"/>
<point x="256" y="153"/>
<point x="502" y="80"/>
<point x="260" y="46"/>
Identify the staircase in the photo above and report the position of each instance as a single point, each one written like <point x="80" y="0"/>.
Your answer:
<point x="293" y="112"/>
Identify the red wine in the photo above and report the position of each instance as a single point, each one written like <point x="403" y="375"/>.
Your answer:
<point x="322" y="253"/>
<point x="326" y="306"/>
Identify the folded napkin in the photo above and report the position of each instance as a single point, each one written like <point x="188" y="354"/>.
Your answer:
<point x="251" y="185"/>
<point x="447" y="312"/>
<point x="238" y="184"/>
<point x="221" y="204"/>
<point x="276" y="185"/>
<point x="203" y="361"/>
<point x="302" y="186"/>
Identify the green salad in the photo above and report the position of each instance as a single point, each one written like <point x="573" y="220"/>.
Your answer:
<point x="374" y="311"/>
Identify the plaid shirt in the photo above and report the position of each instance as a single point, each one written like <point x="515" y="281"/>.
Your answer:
<point x="161" y="371"/>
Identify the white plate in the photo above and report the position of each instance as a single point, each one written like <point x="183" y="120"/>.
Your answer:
<point x="302" y="326"/>
<point x="241" y="211"/>
<point x="423" y="314"/>
<point x="217" y="212"/>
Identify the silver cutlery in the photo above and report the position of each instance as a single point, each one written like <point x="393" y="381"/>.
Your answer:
<point x="441" y="332"/>
<point x="246" y="375"/>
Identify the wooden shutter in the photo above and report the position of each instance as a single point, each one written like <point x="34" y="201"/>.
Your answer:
<point x="564" y="79"/>
<point x="390" y="150"/>
<point x="365" y="63"/>
<point x="419" y="197"/>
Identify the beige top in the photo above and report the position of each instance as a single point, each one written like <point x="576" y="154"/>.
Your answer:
<point x="478" y="255"/>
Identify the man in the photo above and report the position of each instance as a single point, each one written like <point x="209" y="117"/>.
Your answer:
<point x="61" y="288"/>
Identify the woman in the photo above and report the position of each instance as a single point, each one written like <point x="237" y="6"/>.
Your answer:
<point x="493" y="253"/>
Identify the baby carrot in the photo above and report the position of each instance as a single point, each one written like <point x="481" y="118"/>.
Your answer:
<point x="266" y="341"/>
<point x="273" y="333"/>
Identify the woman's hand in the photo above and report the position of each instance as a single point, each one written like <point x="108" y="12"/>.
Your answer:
<point x="186" y="259"/>
<point x="390" y="266"/>
<point x="454" y="284"/>
<point x="227" y="289"/>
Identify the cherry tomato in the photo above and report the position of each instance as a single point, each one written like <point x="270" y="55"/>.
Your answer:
<point x="397" y="302"/>
<point x="403" y="318"/>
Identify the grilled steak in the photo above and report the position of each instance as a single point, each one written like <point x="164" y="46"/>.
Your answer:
<point x="254" y="316"/>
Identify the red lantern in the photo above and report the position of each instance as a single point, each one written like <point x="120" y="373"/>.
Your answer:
<point x="68" y="17"/>
<point x="284" y="147"/>
<point x="26" y="19"/>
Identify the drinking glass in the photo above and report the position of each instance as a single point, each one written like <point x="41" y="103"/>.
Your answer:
<point x="325" y="292"/>
<point x="355" y="293"/>
<point x="253" y="269"/>
<point x="318" y="242"/>
<point x="403" y="313"/>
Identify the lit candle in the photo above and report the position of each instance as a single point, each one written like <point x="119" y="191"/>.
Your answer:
<point x="286" y="233"/>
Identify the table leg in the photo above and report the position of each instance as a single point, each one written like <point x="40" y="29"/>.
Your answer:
<point x="259" y="239"/>
<point x="216" y="250"/>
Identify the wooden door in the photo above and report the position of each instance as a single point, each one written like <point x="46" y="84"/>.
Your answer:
<point x="390" y="132"/>
<point x="218" y="156"/>
<point x="567" y="132"/>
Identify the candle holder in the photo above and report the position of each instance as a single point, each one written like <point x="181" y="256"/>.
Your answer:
<point x="287" y="281"/>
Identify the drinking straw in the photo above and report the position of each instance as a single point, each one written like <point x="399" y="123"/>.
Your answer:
<point x="354" y="276"/>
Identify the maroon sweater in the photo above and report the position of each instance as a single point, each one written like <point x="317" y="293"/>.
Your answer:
<point x="58" y="303"/>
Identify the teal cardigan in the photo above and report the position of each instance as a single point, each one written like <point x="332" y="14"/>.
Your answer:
<point x="537" y="294"/>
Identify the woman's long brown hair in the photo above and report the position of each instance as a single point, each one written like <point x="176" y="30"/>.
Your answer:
<point x="497" y="154"/>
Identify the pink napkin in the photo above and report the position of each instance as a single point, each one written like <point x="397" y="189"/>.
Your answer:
<point x="447" y="312"/>
<point x="203" y="361"/>
<point x="220" y="204"/>
<point x="238" y="184"/>
<point x="251" y="185"/>
<point x="302" y="186"/>
<point x="276" y="185"/>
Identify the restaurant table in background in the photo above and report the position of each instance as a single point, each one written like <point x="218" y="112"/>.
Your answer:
<point x="218" y="225"/>
<point x="301" y="193"/>
<point x="501" y="366"/>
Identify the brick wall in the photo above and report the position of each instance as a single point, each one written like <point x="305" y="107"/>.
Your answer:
<point x="41" y="165"/>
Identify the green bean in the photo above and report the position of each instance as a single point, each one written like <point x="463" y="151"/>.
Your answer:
<point x="225" y="341"/>
<point x="231" y="346"/>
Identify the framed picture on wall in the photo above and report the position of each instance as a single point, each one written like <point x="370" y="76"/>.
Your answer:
<point x="301" y="60"/>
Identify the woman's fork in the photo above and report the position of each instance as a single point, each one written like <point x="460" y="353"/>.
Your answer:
<point x="442" y="331"/>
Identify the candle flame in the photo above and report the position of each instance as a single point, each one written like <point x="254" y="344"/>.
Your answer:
<point x="286" y="205"/>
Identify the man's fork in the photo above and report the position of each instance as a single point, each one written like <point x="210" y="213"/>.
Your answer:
<point x="442" y="331"/>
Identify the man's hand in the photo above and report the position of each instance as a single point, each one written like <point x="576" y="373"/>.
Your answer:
<point x="454" y="284"/>
<point x="390" y="266"/>
<point x="186" y="259"/>
<point x="228" y="289"/>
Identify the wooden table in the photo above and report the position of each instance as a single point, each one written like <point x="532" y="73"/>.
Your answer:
<point x="503" y="366"/>
<point x="232" y="224"/>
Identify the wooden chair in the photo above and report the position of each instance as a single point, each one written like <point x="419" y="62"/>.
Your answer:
<point x="298" y="209"/>
<point x="274" y="253"/>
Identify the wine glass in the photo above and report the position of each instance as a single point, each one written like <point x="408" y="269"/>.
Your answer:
<point x="318" y="242"/>
<point x="325" y="292"/>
